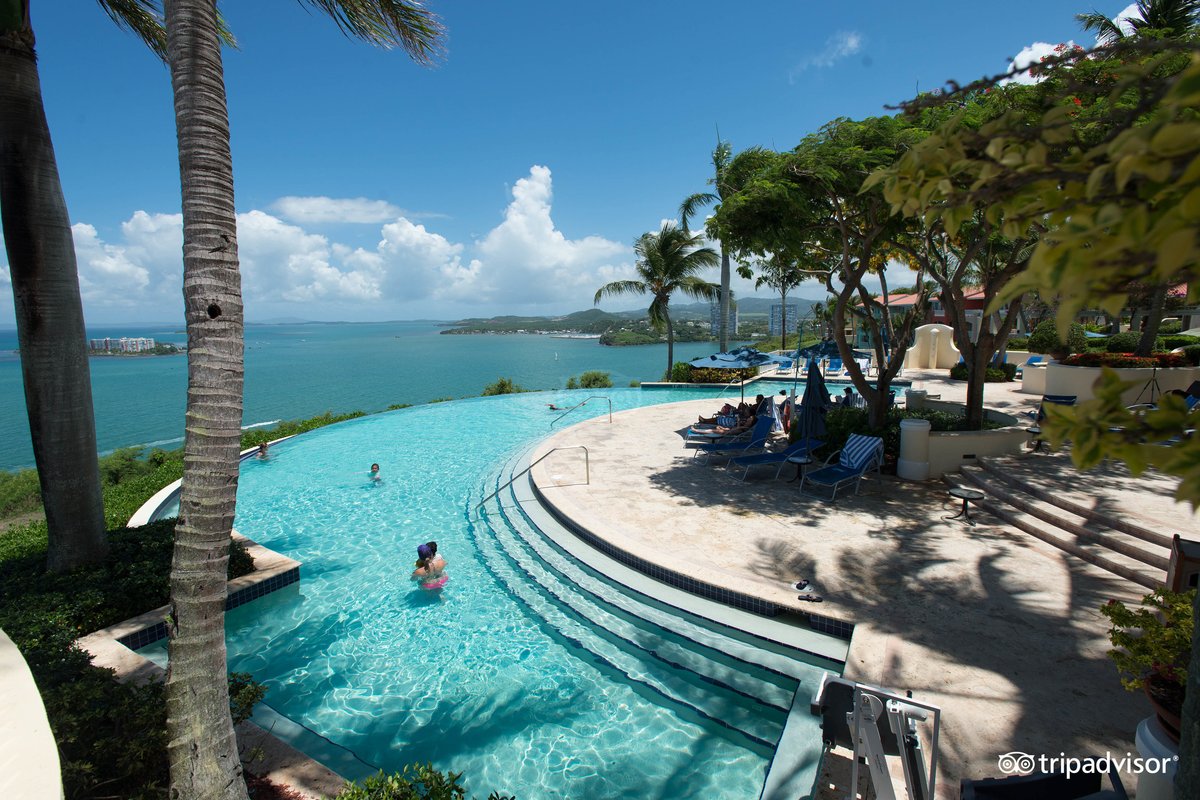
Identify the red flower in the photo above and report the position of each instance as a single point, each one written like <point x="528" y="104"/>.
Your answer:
<point x="1077" y="101"/>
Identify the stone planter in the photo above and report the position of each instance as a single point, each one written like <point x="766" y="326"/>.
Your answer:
<point x="1078" y="381"/>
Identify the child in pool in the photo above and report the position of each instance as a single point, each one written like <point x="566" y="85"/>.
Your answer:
<point x="430" y="571"/>
<point x="374" y="475"/>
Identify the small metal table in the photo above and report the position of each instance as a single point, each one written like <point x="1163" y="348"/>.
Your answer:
<point x="966" y="495"/>
<point x="1038" y="442"/>
<point x="801" y="462"/>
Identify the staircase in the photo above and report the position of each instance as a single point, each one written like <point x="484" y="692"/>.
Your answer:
<point x="727" y="679"/>
<point x="1065" y="515"/>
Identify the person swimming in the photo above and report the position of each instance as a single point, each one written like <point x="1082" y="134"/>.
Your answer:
<point x="374" y="475"/>
<point x="430" y="568"/>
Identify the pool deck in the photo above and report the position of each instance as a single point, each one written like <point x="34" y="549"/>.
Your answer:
<point x="999" y="629"/>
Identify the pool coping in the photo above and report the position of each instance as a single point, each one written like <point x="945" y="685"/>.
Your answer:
<point x="260" y="751"/>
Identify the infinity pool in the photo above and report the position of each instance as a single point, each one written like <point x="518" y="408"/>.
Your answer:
<point x="469" y="678"/>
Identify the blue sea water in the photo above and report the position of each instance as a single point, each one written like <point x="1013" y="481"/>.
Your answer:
<point x="300" y="370"/>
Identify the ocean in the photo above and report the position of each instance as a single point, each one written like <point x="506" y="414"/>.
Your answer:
<point x="301" y="370"/>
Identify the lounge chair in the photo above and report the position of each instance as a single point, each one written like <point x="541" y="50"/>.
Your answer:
<point x="1035" y="429"/>
<point x="779" y="457"/>
<point x="834" y="368"/>
<point x="1032" y="361"/>
<point x="754" y="439"/>
<point x="860" y="454"/>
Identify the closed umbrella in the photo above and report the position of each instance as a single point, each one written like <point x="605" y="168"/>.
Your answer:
<point x="813" y="405"/>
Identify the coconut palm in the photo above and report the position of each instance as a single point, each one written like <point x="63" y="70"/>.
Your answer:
<point x="203" y="751"/>
<point x="667" y="263"/>
<point x="1171" y="17"/>
<point x="49" y="312"/>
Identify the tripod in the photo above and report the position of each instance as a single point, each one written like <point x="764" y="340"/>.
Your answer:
<point x="1152" y="385"/>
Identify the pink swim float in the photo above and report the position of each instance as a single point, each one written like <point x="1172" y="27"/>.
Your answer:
<point x="436" y="584"/>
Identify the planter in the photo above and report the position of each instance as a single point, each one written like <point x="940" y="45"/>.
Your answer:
<point x="1078" y="381"/>
<point x="1166" y="699"/>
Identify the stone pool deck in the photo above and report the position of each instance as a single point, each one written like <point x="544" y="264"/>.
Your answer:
<point x="997" y="628"/>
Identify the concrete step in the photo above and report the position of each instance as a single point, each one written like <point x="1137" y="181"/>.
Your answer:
<point x="1089" y="552"/>
<point x="1089" y="529"/>
<point x="1015" y="472"/>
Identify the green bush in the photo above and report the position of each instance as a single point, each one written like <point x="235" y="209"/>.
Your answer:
<point x="1018" y="343"/>
<point x="595" y="379"/>
<point x="414" y="782"/>
<point x="1179" y="340"/>
<point x="841" y="422"/>
<point x="706" y="375"/>
<point x="1045" y="339"/>
<point x="1127" y="342"/>
<point x="1001" y="374"/>
<point x="1192" y="354"/>
<point x="572" y="382"/>
<point x="19" y="492"/>
<point x="681" y="372"/>
<point x="398" y="406"/>
<point x="502" y="386"/>
<point x="1097" y="343"/>
<point x="1170" y="326"/>
<point x="255" y="437"/>
<point x="634" y="384"/>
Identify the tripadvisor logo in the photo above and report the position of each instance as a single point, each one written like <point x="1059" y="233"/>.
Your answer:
<point x="1018" y="763"/>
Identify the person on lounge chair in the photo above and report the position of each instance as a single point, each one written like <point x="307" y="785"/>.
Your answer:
<point x="743" y="424"/>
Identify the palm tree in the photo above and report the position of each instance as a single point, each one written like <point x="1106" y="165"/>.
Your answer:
<point x="721" y="156"/>
<point x="1171" y="17"/>
<point x="45" y="282"/>
<point x="667" y="263"/>
<point x="782" y="274"/>
<point x="203" y="751"/>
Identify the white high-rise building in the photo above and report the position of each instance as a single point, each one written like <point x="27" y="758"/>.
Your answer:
<point x="714" y="318"/>
<point x="776" y="324"/>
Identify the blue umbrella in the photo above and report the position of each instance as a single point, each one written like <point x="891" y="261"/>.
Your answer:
<point x="813" y="404"/>
<point x="740" y="358"/>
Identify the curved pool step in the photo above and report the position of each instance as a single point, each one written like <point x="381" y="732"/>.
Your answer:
<point x="642" y="627"/>
<point x="675" y="685"/>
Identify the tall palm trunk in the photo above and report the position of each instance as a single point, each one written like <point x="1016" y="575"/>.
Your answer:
<point x="202" y="748"/>
<point x="49" y="312"/>
<point x="723" y="345"/>
<point x="671" y="346"/>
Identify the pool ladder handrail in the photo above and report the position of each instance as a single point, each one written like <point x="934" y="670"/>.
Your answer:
<point x="587" y="470"/>
<point x="584" y="403"/>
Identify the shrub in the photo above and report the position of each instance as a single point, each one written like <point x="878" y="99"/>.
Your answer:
<point x="634" y="384"/>
<point x="1018" y="343"/>
<point x="1179" y="340"/>
<point x="572" y="382"/>
<point x="414" y="782"/>
<point x="1127" y="342"/>
<point x="1170" y="326"/>
<point x="1045" y="339"/>
<point x="502" y="386"/>
<point x="1153" y="640"/>
<point x="1123" y="360"/>
<point x="1098" y="343"/>
<point x="398" y="406"/>
<point x="19" y="492"/>
<point x="595" y="379"/>
<point x="681" y="372"/>
<point x="255" y="437"/>
<point x="707" y="375"/>
<point x="1191" y="354"/>
<point x="841" y="422"/>
<point x="1000" y="374"/>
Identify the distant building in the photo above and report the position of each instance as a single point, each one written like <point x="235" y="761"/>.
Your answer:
<point x="776" y="325"/>
<point x="123" y="345"/>
<point x="714" y="318"/>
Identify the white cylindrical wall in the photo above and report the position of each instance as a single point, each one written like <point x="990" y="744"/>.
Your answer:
<point x="913" y="464"/>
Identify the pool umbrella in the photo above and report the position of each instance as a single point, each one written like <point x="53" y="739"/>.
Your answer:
<point x="740" y="358"/>
<point x="813" y="404"/>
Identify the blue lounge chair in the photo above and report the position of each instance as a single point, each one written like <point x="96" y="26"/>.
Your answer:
<point x="860" y="454"/>
<point x="755" y="438"/>
<point x="834" y="368"/>
<point x="780" y="457"/>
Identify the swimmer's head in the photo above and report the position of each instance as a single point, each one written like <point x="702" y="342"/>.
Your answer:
<point x="432" y="548"/>
<point x="374" y="468"/>
<point x="424" y="553"/>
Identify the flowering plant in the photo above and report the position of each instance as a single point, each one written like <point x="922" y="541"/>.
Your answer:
<point x="1154" y="641"/>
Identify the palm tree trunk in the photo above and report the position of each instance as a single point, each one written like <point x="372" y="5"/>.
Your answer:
<point x="783" y="319"/>
<point x="724" y="327"/>
<point x="49" y="312"/>
<point x="671" y="346"/>
<point x="202" y="747"/>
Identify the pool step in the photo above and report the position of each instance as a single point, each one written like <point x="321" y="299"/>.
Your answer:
<point x="673" y="685"/>
<point x="674" y="641"/>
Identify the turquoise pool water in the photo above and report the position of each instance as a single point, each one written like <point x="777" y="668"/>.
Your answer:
<point x="469" y="679"/>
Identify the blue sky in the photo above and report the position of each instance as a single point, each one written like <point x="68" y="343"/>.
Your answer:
<point x="513" y="177"/>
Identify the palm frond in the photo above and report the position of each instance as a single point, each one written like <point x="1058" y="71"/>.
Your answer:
<point x="1105" y="29"/>
<point x="620" y="287"/>
<point x="142" y="18"/>
<point x="700" y="289"/>
<point x="389" y="23"/>
<point x="693" y="203"/>
<point x="659" y="312"/>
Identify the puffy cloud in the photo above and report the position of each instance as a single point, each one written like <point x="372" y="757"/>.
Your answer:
<point x="838" y="46"/>
<point x="524" y="262"/>
<point x="318" y="210"/>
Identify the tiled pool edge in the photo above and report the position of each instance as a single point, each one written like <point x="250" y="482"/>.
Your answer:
<point x="261" y="752"/>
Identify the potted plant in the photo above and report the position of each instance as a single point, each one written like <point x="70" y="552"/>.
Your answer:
<point x="1151" y="648"/>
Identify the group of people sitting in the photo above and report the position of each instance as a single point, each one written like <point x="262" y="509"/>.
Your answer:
<point x="731" y="420"/>
<point x="430" y="570"/>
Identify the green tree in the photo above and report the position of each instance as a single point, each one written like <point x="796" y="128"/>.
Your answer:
<point x="782" y="273"/>
<point x="667" y="263"/>
<point x="595" y="379"/>
<point x="45" y="283"/>
<point x="1171" y="18"/>
<point x="202" y="749"/>
<point x="503" y="386"/>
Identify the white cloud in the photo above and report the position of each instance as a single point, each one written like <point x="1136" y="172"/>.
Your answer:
<point x="524" y="262"/>
<point x="318" y="210"/>
<point x="1130" y="12"/>
<point x="1032" y="54"/>
<point x="838" y="46"/>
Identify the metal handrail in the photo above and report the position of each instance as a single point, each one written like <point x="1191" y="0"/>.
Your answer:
<point x="584" y="403"/>
<point x="587" y="470"/>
